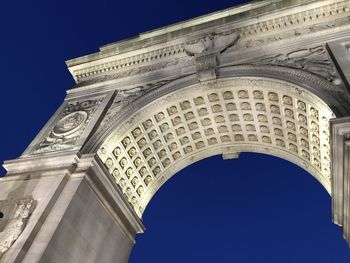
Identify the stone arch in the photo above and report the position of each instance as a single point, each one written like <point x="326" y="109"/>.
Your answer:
<point x="263" y="77"/>
<point x="251" y="109"/>
<point x="334" y="96"/>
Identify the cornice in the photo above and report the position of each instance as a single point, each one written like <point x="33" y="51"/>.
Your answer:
<point x="254" y="30"/>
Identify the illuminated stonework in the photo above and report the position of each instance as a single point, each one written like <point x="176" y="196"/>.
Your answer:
<point x="238" y="114"/>
<point x="267" y="76"/>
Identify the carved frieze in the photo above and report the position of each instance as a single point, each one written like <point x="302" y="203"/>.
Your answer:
<point x="14" y="217"/>
<point x="69" y="126"/>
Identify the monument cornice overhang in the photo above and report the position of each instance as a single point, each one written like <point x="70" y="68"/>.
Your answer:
<point x="303" y="22"/>
<point x="314" y="84"/>
<point x="49" y="164"/>
<point x="186" y="65"/>
<point x="167" y="69"/>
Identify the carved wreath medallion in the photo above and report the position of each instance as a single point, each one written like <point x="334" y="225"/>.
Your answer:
<point x="70" y="123"/>
<point x="70" y="126"/>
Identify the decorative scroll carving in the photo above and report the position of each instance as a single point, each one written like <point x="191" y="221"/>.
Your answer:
<point x="69" y="127"/>
<point x="14" y="224"/>
<point x="314" y="60"/>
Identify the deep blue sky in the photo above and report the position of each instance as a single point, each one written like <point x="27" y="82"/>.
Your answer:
<point x="254" y="209"/>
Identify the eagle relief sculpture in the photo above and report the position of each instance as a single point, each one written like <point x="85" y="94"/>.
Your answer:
<point x="206" y="52"/>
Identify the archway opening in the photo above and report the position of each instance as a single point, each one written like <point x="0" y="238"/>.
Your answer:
<point x="257" y="208"/>
<point x="227" y="116"/>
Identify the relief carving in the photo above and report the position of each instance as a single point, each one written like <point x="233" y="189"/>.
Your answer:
<point x="132" y="71"/>
<point x="312" y="22"/>
<point x="126" y="97"/>
<point x="206" y="52"/>
<point x="69" y="127"/>
<point x="213" y="43"/>
<point x="13" y="225"/>
<point x="314" y="60"/>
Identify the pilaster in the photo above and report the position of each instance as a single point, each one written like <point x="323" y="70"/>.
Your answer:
<point x="76" y="214"/>
<point x="341" y="173"/>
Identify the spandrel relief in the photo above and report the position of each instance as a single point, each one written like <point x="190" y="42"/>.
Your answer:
<point x="125" y="97"/>
<point x="314" y="60"/>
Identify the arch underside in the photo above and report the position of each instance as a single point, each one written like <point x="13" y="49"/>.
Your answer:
<point x="240" y="114"/>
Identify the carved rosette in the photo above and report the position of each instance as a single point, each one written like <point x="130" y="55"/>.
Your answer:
<point x="69" y="127"/>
